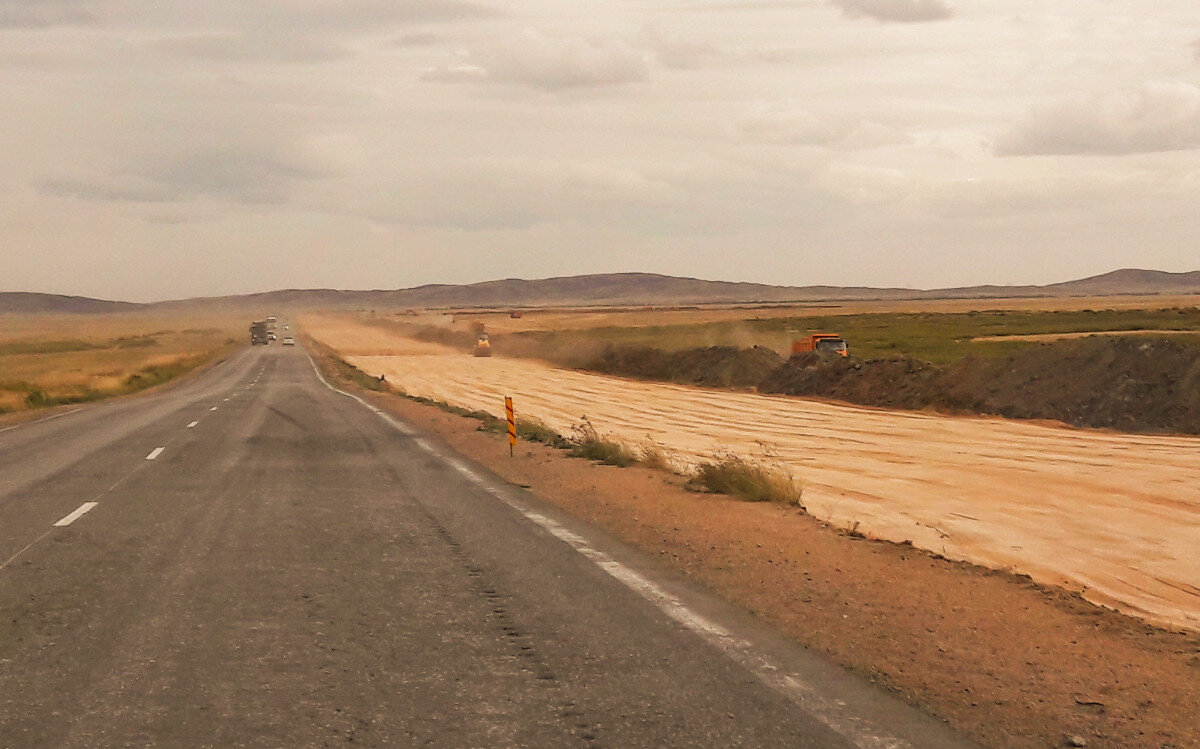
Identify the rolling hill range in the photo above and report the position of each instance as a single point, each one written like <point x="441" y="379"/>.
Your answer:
<point x="607" y="289"/>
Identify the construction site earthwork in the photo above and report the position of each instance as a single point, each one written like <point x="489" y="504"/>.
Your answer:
<point x="989" y="507"/>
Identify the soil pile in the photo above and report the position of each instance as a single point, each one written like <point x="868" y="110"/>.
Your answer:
<point x="1129" y="384"/>
<point x="895" y="382"/>
<point x="714" y="366"/>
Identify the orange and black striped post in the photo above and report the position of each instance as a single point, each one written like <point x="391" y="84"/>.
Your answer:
<point x="512" y="424"/>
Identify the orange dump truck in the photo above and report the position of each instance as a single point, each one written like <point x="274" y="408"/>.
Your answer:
<point x="825" y="343"/>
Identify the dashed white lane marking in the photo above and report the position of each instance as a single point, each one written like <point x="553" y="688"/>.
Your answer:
<point x="194" y="423"/>
<point x="83" y="509"/>
<point x="155" y="453"/>
<point x="214" y="408"/>
<point x="830" y="711"/>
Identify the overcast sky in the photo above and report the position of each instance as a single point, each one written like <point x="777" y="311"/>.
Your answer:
<point x="180" y="148"/>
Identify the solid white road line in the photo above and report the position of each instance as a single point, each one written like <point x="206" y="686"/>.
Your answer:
<point x="31" y="544"/>
<point x="809" y="697"/>
<point x="38" y="421"/>
<point x="155" y="453"/>
<point x="83" y="508"/>
<point x="194" y="423"/>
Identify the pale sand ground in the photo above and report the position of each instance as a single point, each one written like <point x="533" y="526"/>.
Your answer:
<point x="1115" y="515"/>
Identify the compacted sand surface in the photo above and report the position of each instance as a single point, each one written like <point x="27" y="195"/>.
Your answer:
<point x="1114" y="516"/>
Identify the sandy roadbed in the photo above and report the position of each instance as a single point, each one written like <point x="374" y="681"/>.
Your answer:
<point x="1115" y="516"/>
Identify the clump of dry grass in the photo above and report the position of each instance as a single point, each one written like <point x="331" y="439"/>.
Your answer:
<point x="535" y="431"/>
<point x="653" y="455"/>
<point x="753" y="479"/>
<point x="590" y="444"/>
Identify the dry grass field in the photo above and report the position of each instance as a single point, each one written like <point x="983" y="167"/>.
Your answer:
<point x="49" y="360"/>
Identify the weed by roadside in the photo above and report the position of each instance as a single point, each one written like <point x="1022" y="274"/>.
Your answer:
<point x="350" y="373"/>
<point x="535" y="431"/>
<point x="590" y="444"/>
<point x="653" y="455"/>
<point x="755" y="480"/>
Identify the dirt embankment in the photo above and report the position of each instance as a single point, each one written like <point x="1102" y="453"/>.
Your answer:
<point x="1132" y="384"/>
<point x="715" y="366"/>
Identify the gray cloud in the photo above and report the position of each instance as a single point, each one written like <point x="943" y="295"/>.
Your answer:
<point x="1153" y="117"/>
<point x="241" y="177"/>
<point x="416" y="39"/>
<point x="678" y="52"/>
<point x="250" y="47"/>
<point x="521" y="194"/>
<point x="784" y="122"/>
<point x="549" y="63"/>
<point x="375" y="14"/>
<point x="900" y="11"/>
<point x="106" y="191"/>
<point x="24" y="14"/>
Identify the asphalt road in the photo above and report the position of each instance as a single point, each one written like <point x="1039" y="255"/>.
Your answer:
<point x="268" y="562"/>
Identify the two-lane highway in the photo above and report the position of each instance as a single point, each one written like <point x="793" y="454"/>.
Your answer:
<point x="255" y="559"/>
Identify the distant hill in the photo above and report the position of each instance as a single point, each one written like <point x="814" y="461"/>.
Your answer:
<point x="29" y="303"/>
<point x="1130" y="281"/>
<point x="610" y="289"/>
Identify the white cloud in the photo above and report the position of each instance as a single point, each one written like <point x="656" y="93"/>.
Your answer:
<point x="899" y="11"/>
<point x="1149" y="118"/>
<point x="545" y="62"/>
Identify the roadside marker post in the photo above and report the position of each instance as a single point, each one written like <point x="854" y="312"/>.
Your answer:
<point x="512" y="424"/>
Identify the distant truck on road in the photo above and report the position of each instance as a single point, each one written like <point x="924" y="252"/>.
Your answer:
<point x="258" y="333"/>
<point x="822" y="343"/>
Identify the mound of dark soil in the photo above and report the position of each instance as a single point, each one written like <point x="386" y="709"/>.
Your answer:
<point x="1132" y="384"/>
<point x="896" y="382"/>
<point x="715" y="366"/>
